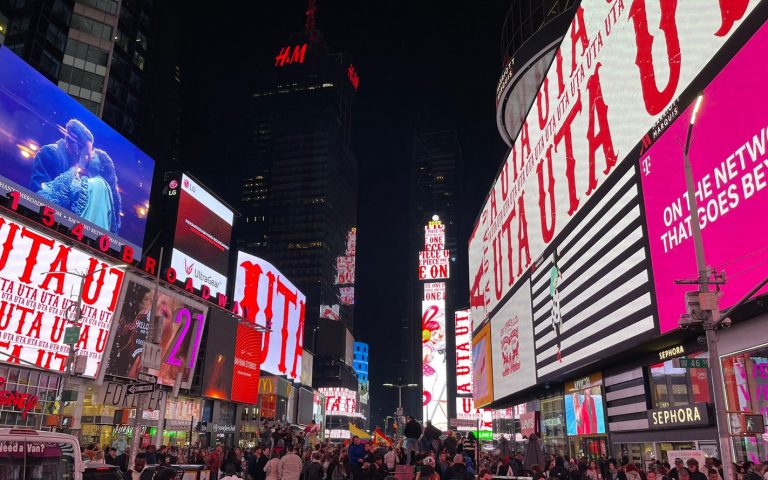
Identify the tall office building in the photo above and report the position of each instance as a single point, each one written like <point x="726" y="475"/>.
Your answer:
<point x="299" y="188"/>
<point x="118" y="58"/>
<point x="435" y="186"/>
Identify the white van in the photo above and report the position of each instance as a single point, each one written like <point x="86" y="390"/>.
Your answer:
<point x="36" y="455"/>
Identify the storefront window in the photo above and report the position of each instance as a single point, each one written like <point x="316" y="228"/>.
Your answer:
<point x="553" y="426"/>
<point x="41" y="388"/>
<point x="676" y="387"/>
<point x="746" y="388"/>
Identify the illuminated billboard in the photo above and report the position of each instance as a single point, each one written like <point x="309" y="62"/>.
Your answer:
<point x="434" y="260"/>
<point x="340" y="402"/>
<point x="463" y="329"/>
<point x="514" y="366"/>
<point x="584" y="406"/>
<point x="435" y="374"/>
<point x="266" y="297"/>
<point x="181" y="321"/>
<point x="54" y="152"/>
<point x="232" y="359"/>
<point x="202" y="236"/>
<point x="728" y="159"/>
<point x="618" y="69"/>
<point x="330" y="312"/>
<point x="37" y="297"/>
<point x="482" y="370"/>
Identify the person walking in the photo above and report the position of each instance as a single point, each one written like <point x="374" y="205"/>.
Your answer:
<point x="272" y="468"/>
<point x="290" y="466"/>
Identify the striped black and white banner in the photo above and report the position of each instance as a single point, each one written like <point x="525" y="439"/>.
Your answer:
<point x="591" y="292"/>
<point x="625" y="396"/>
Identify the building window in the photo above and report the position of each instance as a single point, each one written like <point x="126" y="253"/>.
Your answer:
<point x="87" y="25"/>
<point x="109" y="6"/>
<point x="677" y="387"/>
<point x="746" y="390"/>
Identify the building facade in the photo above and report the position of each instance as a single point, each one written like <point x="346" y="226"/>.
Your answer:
<point x="598" y="346"/>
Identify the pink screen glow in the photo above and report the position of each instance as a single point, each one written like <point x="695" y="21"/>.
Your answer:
<point x="730" y="169"/>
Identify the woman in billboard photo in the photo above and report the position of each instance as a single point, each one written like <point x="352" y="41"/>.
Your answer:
<point x="89" y="190"/>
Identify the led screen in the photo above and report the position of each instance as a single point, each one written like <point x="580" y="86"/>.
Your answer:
<point x="219" y="355"/>
<point x="482" y="369"/>
<point x="463" y="329"/>
<point x="202" y="237"/>
<point x="584" y="410"/>
<point x="514" y="367"/>
<point x="56" y="153"/>
<point x="340" y="401"/>
<point x="435" y="375"/>
<point x="266" y="297"/>
<point x="36" y="296"/>
<point x="619" y="68"/>
<point x="180" y="319"/>
<point x="729" y="162"/>
<point x="245" y="376"/>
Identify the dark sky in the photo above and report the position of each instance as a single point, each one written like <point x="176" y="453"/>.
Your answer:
<point x="412" y="57"/>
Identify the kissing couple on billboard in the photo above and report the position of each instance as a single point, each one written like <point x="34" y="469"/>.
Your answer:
<point x="74" y="175"/>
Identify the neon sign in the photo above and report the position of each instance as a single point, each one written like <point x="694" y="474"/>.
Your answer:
<point x="352" y="75"/>
<point x="291" y="54"/>
<point x="22" y="401"/>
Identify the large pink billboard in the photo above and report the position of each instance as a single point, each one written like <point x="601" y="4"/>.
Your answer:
<point x="730" y="169"/>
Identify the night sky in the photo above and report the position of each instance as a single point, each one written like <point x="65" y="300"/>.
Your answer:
<point x="413" y="58"/>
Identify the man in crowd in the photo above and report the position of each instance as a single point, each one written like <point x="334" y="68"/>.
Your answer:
<point x="458" y="470"/>
<point x="290" y="466"/>
<point x="693" y="470"/>
<point x="412" y="433"/>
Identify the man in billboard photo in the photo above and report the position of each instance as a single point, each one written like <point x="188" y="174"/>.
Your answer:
<point x="56" y="158"/>
<point x="89" y="190"/>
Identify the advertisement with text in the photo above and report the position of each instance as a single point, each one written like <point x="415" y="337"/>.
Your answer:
<point x="202" y="237"/>
<point x="39" y="281"/>
<point x="619" y="67"/>
<point x="55" y="152"/>
<point x="266" y="297"/>
<point x="730" y="163"/>
<point x="180" y="319"/>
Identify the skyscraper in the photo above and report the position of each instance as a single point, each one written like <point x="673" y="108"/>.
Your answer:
<point x="299" y="192"/>
<point x="119" y="59"/>
<point x="436" y="167"/>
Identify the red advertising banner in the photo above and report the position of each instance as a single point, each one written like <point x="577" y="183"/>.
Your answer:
<point x="38" y="275"/>
<point x="245" y="375"/>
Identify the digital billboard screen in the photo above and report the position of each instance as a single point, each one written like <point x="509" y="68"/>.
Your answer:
<point x="514" y="366"/>
<point x="463" y="331"/>
<point x="584" y="406"/>
<point x="482" y="369"/>
<point x="56" y="153"/>
<point x="729" y="161"/>
<point x="202" y="237"/>
<point x="435" y="374"/>
<point x="266" y="297"/>
<point x="608" y="86"/>
<point x="219" y="355"/>
<point x="232" y="353"/>
<point x="180" y="319"/>
<point x="37" y="285"/>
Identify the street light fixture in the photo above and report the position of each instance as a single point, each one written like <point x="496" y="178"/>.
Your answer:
<point x="400" y="388"/>
<point x="704" y="309"/>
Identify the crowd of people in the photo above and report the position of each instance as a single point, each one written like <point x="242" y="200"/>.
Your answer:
<point x="287" y="453"/>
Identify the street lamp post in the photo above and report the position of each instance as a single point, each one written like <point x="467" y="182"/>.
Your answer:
<point x="710" y="319"/>
<point x="400" y="388"/>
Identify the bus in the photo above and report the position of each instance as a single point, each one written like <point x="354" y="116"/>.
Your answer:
<point x="36" y="455"/>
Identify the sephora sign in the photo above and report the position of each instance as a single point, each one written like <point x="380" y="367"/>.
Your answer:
<point x="622" y="63"/>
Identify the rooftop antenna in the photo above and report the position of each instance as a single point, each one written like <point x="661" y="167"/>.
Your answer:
<point x="311" y="10"/>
